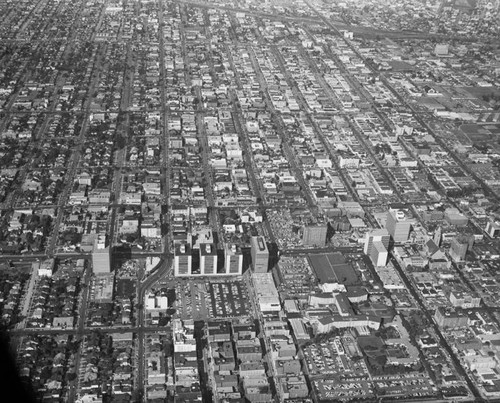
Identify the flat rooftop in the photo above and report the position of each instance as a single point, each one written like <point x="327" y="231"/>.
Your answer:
<point x="332" y="268"/>
<point x="260" y="243"/>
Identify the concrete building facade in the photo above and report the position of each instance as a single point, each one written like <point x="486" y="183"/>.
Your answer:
<point x="260" y="254"/>
<point x="183" y="261"/>
<point x="380" y="235"/>
<point x="208" y="259"/>
<point x="398" y="226"/>
<point x="233" y="260"/>
<point x="378" y="254"/>
<point x="101" y="259"/>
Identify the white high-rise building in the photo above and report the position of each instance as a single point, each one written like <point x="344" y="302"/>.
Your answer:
<point x="398" y="225"/>
<point x="233" y="262"/>
<point x="260" y="254"/>
<point x="100" y="256"/>
<point x="208" y="259"/>
<point x="380" y="235"/>
<point x="378" y="254"/>
<point x="183" y="260"/>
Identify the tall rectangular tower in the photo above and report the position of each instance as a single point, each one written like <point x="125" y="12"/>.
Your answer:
<point x="101" y="256"/>
<point x="208" y="259"/>
<point x="260" y="254"/>
<point x="378" y="254"/>
<point x="458" y="249"/>
<point x="233" y="263"/>
<point x="398" y="225"/>
<point x="183" y="260"/>
<point x="380" y="235"/>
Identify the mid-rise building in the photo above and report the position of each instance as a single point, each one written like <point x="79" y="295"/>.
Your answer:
<point x="45" y="268"/>
<point x="100" y="256"/>
<point x="398" y="225"/>
<point x="314" y="235"/>
<point x="441" y="49"/>
<point x="156" y="302"/>
<point x="450" y="318"/>
<point x="464" y="299"/>
<point x="260" y="254"/>
<point x="208" y="259"/>
<point x="183" y="260"/>
<point x="493" y="229"/>
<point x="380" y="235"/>
<point x="266" y="293"/>
<point x="233" y="260"/>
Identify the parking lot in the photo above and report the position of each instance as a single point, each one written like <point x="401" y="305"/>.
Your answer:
<point x="324" y="359"/>
<point x="229" y="299"/>
<point x="200" y="300"/>
<point x="192" y="300"/>
<point x="331" y="389"/>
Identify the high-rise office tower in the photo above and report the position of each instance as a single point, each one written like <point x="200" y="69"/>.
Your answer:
<point x="260" y="254"/>
<point x="380" y="235"/>
<point x="208" y="259"/>
<point x="183" y="260"/>
<point x="233" y="262"/>
<point x="437" y="236"/>
<point x="458" y="249"/>
<point x="314" y="235"/>
<point x="378" y="254"/>
<point x="398" y="225"/>
<point x="101" y="256"/>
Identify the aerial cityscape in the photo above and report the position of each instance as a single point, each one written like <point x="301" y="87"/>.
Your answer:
<point x="250" y="201"/>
